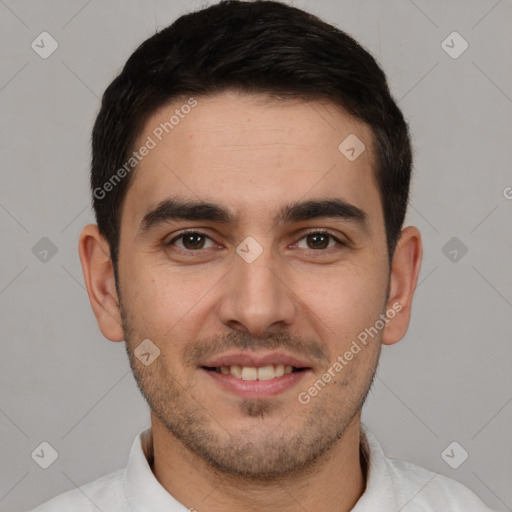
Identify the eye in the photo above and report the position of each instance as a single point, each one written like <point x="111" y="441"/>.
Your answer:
<point x="191" y="241"/>
<point x="317" y="240"/>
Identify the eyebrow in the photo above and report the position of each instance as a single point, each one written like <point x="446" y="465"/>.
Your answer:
<point x="172" y="209"/>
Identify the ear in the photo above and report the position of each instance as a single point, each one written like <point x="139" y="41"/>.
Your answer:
<point x="98" y="273"/>
<point x="404" y="277"/>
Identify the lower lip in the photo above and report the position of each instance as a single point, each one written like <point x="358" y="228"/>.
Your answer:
<point x="256" y="388"/>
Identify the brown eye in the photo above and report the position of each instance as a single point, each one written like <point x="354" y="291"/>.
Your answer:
<point x="191" y="241"/>
<point x="319" y="240"/>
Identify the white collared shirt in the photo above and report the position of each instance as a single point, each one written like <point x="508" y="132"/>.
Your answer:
<point x="391" y="486"/>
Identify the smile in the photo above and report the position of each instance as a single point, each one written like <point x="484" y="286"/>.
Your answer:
<point x="267" y="372"/>
<point x="255" y="374"/>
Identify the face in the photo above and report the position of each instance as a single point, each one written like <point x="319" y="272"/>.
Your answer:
<point x="253" y="254"/>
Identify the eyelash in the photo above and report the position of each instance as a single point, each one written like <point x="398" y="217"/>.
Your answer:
<point x="196" y="232"/>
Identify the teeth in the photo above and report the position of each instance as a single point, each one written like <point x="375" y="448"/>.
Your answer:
<point x="265" y="373"/>
<point x="236" y="371"/>
<point x="249" y="373"/>
<point x="253" y="373"/>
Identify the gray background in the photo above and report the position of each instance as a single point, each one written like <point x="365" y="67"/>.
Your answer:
<point x="448" y="380"/>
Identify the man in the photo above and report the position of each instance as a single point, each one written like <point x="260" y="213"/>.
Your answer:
<point x="250" y="177"/>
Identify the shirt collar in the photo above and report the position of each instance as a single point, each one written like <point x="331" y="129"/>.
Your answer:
<point x="145" y="493"/>
<point x="380" y="490"/>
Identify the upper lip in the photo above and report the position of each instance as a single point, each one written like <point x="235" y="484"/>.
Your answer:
<point x="255" y="359"/>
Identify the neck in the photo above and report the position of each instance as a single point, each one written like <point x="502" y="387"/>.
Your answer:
<point x="336" y="481"/>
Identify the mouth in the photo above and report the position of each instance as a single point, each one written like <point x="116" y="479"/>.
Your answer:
<point x="250" y="373"/>
<point x="255" y="375"/>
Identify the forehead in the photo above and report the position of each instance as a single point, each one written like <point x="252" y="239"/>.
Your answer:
<point x="253" y="154"/>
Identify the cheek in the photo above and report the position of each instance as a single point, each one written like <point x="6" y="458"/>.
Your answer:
<point x="162" y="298"/>
<point x="348" y="298"/>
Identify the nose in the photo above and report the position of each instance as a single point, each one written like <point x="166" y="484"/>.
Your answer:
<point x="257" y="297"/>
